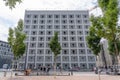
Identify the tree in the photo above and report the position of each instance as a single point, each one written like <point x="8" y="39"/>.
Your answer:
<point x="16" y="39"/>
<point x="109" y="21"/>
<point x="55" y="47"/>
<point x="12" y="3"/>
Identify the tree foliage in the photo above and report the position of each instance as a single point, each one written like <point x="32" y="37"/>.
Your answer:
<point x="16" y="39"/>
<point x="109" y="21"/>
<point x="55" y="45"/>
<point x="93" y="39"/>
<point x="12" y="3"/>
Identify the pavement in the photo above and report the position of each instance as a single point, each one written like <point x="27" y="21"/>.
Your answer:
<point x="75" y="76"/>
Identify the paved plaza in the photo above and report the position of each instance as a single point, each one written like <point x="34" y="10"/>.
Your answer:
<point x="81" y="76"/>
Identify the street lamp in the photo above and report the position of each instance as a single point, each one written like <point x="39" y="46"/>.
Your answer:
<point x="102" y="43"/>
<point x="98" y="67"/>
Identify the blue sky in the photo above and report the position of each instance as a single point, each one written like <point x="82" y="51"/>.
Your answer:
<point x="9" y="18"/>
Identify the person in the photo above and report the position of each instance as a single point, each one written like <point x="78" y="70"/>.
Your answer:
<point x="60" y="69"/>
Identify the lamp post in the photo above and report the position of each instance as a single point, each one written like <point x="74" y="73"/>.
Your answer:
<point x="98" y="68"/>
<point x="102" y="43"/>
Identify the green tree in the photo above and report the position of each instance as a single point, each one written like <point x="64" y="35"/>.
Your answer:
<point x="109" y="21"/>
<point x="12" y="3"/>
<point x="16" y="39"/>
<point x="55" y="48"/>
<point x="93" y="38"/>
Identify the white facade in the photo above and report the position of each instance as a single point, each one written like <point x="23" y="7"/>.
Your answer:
<point x="72" y="27"/>
<point x="6" y="54"/>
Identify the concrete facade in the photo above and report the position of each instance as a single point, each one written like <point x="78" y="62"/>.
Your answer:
<point x="6" y="54"/>
<point x="72" y="27"/>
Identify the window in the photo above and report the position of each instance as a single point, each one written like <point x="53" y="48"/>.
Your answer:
<point x="65" y="51"/>
<point x="74" y="58"/>
<point x="82" y="58"/>
<point x="32" y="51"/>
<point x="42" y="16"/>
<point x="86" y="21"/>
<point x="41" y="32"/>
<point x="64" y="32"/>
<point x="85" y="16"/>
<point x="65" y="38"/>
<point x="40" y="44"/>
<point x="72" y="38"/>
<point x="81" y="38"/>
<point x="33" y="33"/>
<point x="27" y="27"/>
<point x="91" y="58"/>
<point x="56" y="21"/>
<point x="33" y="39"/>
<point x="72" y="32"/>
<point x="64" y="21"/>
<point x="48" y="38"/>
<point x="73" y="51"/>
<point x="56" y="16"/>
<point x="71" y="21"/>
<point x="40" y="51"/>
<point x="49" y="26"/>
<point x="49" y="21"/>
<point x="78" y="16"/>
<point x="81" y="51"/>
<point x="35" y="16"/>
<point x="72" y="44"/>
<point x="28" y="16"/>
<point x="48" y="51"/>
<point x="40" y="38"/>
<point x="79" y="26"/>
<point x="27" y="21"/>
<point x="64" y="26"/>
<point x="81" y="45"/>
<point x="83" y="65"/>
<point x="42" y="27"/>
<point x="48" y="58"/>
<point x="49" y="16"/>
<point x="71" y="16"/>
<point x="49" y="32"/>
<point x="57" y="27"/>
<point x="80" y="32"/>
<point x="86" y="26"/>
<point x="64" y="16"/>
<point x="79" y="21"/>
<point x="72" y="27"/>
<point x="42" y="21"/>
<point x="34" y="27"/>
<point x="40" y="58"/>
<point x="32" y="45"/>
<point x="86" y="32"/>
<point x="65" y="58"/>
<point x="89" y="51"/>
<point x="64" y="44"/>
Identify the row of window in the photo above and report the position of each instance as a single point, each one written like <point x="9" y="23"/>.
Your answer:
<point x="64" y="38"/>
<point x="64" y="58"/>
<point x="51" y="32"/>
<point x="85" y="21"/>
<point x="42" y="16"/>
<point x="64" y="65"/>
<point x="64" y="51"/>
<point x="41" y="45"/>
<point x="56" y="27"/>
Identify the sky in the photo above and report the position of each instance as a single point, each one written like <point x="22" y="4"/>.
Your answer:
<point x="9" y="18"/>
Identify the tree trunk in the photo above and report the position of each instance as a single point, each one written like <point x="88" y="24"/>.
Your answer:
<point x="54" y="66"/>
<point x="116" y="54"/>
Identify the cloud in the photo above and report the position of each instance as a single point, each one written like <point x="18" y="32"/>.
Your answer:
<point x="9" y="18"/>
